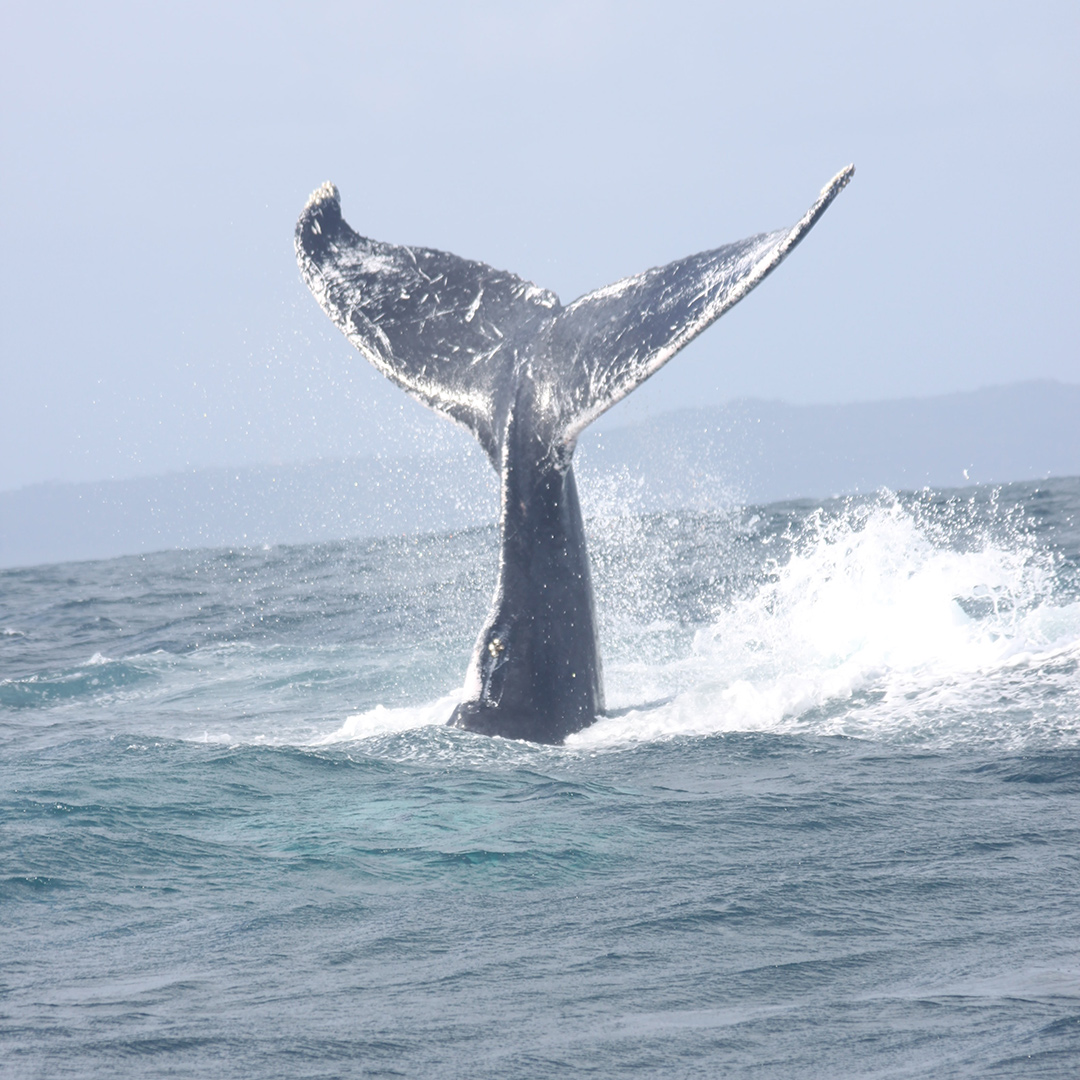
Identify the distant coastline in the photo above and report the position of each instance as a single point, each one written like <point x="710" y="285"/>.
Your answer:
<point x="747" y="451"/>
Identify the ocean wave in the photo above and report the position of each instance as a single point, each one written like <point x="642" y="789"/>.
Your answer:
<point x="97" y="676"/>
<point x="391" y="721"/>
<point x="873" y="615"/>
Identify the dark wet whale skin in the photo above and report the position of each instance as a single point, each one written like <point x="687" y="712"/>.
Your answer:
<point x="536" y="667"/>
<point x="526" y="375"/>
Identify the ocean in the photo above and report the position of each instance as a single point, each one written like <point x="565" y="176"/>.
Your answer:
<point x="830" y="826"/>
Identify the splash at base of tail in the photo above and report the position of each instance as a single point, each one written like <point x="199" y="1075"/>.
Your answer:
<point x="526" y="376"/>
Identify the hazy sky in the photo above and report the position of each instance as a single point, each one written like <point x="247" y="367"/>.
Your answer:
<point x="154" y="157"/>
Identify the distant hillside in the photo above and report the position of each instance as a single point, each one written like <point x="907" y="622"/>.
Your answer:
<point x="763" y="451"/>
<point x="317" y="500"/>
<point x="747" y="451"/>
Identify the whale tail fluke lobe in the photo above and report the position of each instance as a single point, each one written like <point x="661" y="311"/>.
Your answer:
<point x="621" y="334"/>
<point x="526" y="375"/>
<point x="443" y="328"/>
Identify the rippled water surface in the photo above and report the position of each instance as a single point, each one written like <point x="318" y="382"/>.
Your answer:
<point x="831" y="826"/>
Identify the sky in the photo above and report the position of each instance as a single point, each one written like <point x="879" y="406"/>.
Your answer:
<point x="154" y="158"/>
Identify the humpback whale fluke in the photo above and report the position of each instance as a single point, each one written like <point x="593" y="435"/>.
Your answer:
<point x="526" y="376"/>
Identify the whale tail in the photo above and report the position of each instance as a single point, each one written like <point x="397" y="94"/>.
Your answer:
<point x="526" y="375"/>
<point x="460" y="335"/>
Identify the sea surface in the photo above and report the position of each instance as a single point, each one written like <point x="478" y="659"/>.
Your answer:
<point x="829" y="828"/>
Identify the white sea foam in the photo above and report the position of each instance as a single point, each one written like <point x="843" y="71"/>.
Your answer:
<point x="384" y="721"/>
<point x="871" y="628"/>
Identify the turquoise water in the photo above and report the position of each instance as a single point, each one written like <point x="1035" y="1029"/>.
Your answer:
<point x="831" y="826"/>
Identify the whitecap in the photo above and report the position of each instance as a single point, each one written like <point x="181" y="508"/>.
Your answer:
<point x="388" y="721"/>
<point x="869" y="617"/>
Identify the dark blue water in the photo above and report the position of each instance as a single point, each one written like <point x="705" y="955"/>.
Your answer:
<point x="831" y="828"/>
